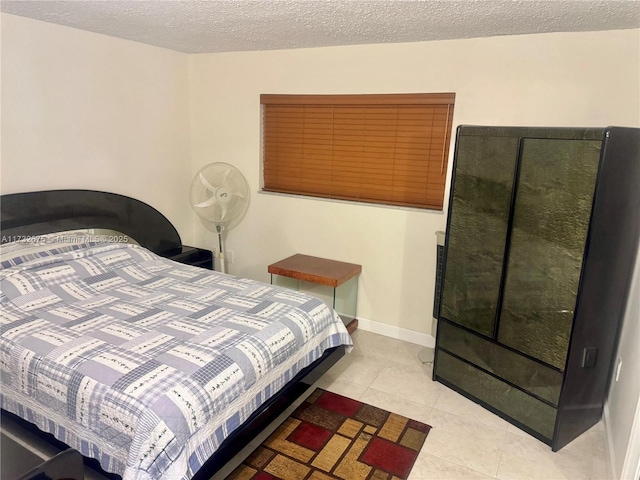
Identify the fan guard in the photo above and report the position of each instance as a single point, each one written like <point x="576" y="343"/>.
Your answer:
<point x="220" y="197"/>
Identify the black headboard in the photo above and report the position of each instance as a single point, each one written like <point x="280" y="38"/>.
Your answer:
<point x="50" y="211"/>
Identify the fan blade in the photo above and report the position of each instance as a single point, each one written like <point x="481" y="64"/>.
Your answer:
<point x="223" y="207"/>
<point x="237" y="194"/>
<point x="207" y="203"/>
<point x="207" y="185"/>
<point x="225" y="176"/>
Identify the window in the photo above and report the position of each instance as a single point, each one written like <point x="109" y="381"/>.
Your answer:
<point x="390" y="149"/>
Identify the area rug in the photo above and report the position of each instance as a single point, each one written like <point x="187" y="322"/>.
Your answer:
<point x="330" y="436"/>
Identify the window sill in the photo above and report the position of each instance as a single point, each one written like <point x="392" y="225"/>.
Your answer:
<point x="363" y="204"/>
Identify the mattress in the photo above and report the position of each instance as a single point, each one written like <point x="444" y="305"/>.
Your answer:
<point x="145" y="364"/>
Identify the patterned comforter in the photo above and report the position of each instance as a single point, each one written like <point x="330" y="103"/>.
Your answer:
<point x="143" y="363"/>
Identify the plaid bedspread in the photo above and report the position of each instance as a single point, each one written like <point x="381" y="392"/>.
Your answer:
<point x="143" y="363"/>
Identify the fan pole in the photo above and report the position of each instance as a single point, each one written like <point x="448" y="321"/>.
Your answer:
<point x="223" y="267"/>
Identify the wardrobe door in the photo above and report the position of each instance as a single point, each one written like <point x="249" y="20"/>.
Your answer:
<point x="553" y="202"/>
<point x="484" y="169"/>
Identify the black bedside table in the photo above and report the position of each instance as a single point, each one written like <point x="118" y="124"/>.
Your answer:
<point x="198" y="257"/>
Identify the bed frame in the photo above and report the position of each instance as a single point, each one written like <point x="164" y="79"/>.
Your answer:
<point x="25" y="215"/>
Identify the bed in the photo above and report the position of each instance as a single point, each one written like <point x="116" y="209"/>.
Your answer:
<point x="153" y="368"/>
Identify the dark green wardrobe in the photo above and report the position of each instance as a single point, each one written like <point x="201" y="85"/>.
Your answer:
<point x="542" y="233"/>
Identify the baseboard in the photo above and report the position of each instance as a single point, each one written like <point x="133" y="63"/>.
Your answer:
<point x="419" y="338"/>
<point x="609" y="451"/>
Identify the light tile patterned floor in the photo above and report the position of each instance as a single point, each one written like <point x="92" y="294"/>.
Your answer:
<point x="467" y="441"/>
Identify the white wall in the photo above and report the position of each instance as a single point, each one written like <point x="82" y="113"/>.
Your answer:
<point x="577" y="79"/>
<point x="623" y="402"/>
<point x="82" y="110"/>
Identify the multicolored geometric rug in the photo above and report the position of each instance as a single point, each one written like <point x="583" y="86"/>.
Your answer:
<point x="330" y="436"/>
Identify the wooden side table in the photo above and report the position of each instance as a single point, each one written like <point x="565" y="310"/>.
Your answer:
<point x="336" y="283"/>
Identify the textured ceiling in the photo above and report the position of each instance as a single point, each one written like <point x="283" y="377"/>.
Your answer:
<point x="199" y="26"/>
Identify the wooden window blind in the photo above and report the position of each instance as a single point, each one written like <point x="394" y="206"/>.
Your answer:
<point x="390" y="149"/>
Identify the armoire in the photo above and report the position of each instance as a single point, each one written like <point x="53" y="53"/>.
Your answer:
<point x="542" y="233"/>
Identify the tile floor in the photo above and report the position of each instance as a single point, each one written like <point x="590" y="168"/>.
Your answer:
<point x="466" y="441"/>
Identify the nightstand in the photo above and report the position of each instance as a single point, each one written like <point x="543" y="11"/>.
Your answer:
<point x="336" y="283"/>
<point x="198" y="257"/>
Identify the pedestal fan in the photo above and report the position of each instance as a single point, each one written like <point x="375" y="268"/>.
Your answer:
<point x="220" y="197"/>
